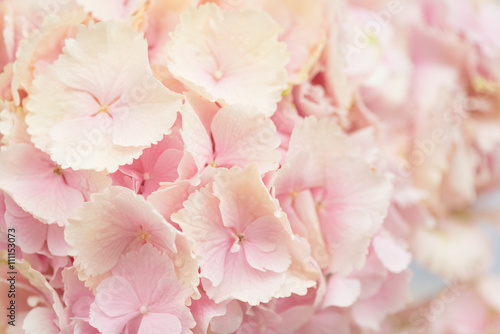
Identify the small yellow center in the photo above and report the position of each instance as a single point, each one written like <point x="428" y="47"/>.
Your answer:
<point x="217" y="74"/>
<point x="58" y="170"/>
<point x="143" y="235"/>
<point x="294" y="193"/>
<point x="103" y="109"/>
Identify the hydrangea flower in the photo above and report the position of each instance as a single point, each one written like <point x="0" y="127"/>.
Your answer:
<point x="142" y="296"/>
<point x="100" y="120"/>
<point x="242" y="239"/>
<point x="230" y="56"/>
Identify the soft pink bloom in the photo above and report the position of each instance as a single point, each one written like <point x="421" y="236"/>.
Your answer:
<point x="249" y="166"/>
<point x="242" y="240"/>
<point x="230" y="56"/>
<point x="142" y="296"/>
<point x="334" y="200"/>
<point x="117" y="222"/>
<point x="100" y="121"/>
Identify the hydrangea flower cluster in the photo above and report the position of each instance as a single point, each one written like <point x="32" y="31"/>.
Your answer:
<point x="247" y="166"/>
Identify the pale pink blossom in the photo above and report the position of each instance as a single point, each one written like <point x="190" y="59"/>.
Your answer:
<point x="250" y="166"/>
<point x="100" y="121"/>
<point x="230" y="56"/>
<point x="117" y="222"/>
<point x="243" y="240"/>
<point x="143" y="295"/>
<point x="334" y="200"/>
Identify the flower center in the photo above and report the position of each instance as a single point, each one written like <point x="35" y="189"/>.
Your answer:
<point x="58" y="170"/>
<point x="143" y="309"/>
<point x="102" y="109"/>
<point x="143" y="235"/>
<point x="146" y="176"/>
<point x="235" y="248"/>
<point x="217" y="75"/>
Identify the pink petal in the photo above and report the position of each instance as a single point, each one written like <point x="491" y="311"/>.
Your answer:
<point x="113" y="223"/>
<point x="265" y="245"/>
<point x="393" y="255"/>
<point x="242" y="189"/>
<point x="158" y="323"/>
<point x="342" y="291"/>
<point x="55" y="240"/>
<point x="30" y="232"/>
<point x="206" y="54"/>
<point x="201" y="221"/>
<point x="242" y="137"/>
<point x="195" y="135"/>
<point x="392" y="297"/>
